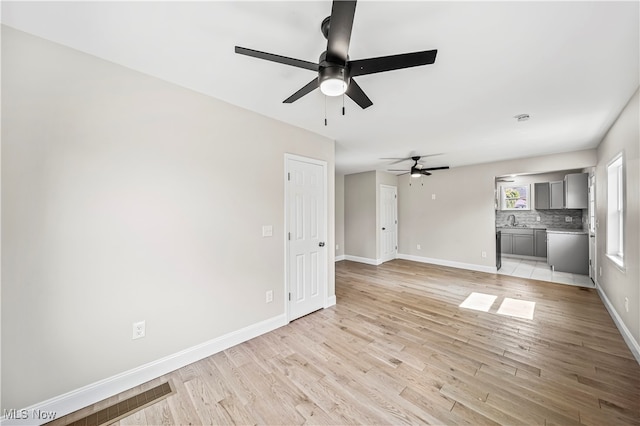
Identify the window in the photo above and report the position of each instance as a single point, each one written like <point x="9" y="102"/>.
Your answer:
<point x="515" y="197"/>
<point x="615" y="211"/>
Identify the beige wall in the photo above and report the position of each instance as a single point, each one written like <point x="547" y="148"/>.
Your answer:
<point x="624" y="136"/>
<point x="360" y="215"/>
<point x="459" y="224"/>
<point x="125" y="198"/>
<point x="340" y="215"/>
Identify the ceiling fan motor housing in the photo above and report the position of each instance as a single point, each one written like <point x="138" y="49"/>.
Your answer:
<point x="332" y="76"/>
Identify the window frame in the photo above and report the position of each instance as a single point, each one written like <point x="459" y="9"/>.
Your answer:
<point x="614" y="247"/>
<point x="503" y="197"/>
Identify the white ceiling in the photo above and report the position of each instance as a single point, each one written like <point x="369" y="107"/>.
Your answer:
<point x="571" y="65"/>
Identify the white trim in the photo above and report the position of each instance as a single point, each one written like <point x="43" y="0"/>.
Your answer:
<point x="453" y="264"/>
<point x="331" y="301"/>
<point x="339" y="258"/>
<point x="624" y="331"/>
<point x="87" y="395"/>
<point x="368" y="261"/>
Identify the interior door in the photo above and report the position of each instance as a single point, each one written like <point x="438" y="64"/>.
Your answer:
<point x="388" y="222"/>
<point x="306" y="236"/>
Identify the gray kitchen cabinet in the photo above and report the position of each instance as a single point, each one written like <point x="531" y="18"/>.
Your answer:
<point x="540" y="242"/>
<point x="523" y="244"/>
<point x="556" y="195"/>
<point x="549" y="195"/>
<point x="517" y="241"/>
<point x="576" y="191"/>
<point x="506" y="243"/>
<point x="542" y="196"/>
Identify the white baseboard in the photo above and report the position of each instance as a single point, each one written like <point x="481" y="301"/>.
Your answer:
<point x="366" y="260"/>
<point x="95" y="392"/>
<point x="339" y="258"/>
<point x="624" y="331"/>
<point x="453" y="264"/>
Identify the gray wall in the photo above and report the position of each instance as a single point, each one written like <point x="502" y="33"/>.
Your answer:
<point x="360" y="215"/>
<point x="624" y="136"/>
<point x="124" y="198"/>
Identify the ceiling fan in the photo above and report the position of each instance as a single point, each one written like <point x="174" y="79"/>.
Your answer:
<point x="335" y="70"/>
<point x="417" y="169"/>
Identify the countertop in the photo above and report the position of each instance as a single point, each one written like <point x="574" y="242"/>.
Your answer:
<point x="567" y="231"/>
<point x="520" y="227"/>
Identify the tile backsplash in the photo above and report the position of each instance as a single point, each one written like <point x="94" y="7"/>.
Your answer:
<point x="548" y="218"/>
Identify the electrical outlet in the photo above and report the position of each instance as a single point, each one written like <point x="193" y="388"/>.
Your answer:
<point x="626" y="304"/>
<point x="537" y="218"/>
<point x="138" y="330"/>
<point x="484" y="254"/>
<point x="433" y="196"/>
<point x="418" y="247"/>
<point x="269" y="296"/>
<point x="267" y="231"/>
<point x="600" y="271"/>
<point x="337" y="247"/>
<point x="567" y="219"/>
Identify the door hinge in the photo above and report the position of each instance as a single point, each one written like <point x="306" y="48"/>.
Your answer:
<point x="288" y="176"/>
<point x="396" y="247"/>
<point x="395" y="196"/>
<point x="289" y="236"/>
<point x="289" y="296"/>
<point x="396" y="222"/>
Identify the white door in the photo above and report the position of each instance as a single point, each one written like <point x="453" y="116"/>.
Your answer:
<point x="306" y="235"/>
<point x="592" y="227"/>
<point x="388" y="222"/>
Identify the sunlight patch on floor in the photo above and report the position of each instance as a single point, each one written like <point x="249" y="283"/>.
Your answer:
<point x="479" y="302"/>
<point x="517" y="308"/>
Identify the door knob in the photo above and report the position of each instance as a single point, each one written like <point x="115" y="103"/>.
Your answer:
<point x="321" y="243"/>
<point x="384" y="229"/>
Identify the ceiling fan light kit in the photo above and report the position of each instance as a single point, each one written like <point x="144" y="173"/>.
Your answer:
<point x="334" y="69"/>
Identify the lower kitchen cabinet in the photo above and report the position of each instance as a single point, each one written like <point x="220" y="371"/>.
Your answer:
<point x="519" y="241"/>
<point x="506" y="243"/>
<point x="540" y="242"/>
<point x="523" y="244"/>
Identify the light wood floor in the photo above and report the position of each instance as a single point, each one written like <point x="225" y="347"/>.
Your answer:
<point x="397" y="349"/>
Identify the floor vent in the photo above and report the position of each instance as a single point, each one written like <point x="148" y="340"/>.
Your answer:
<point x="124" y="408"/>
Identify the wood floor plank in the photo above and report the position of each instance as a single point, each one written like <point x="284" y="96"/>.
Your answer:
<point x="397" y="348"/>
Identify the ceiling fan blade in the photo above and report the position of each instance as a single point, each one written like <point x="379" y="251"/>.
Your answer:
<point x="393" y="62"/>
<point x="423" y="172"/>
<point x="436" y="168"/>
<point x="309" y="87"/>
<point x="397" y="170"/>
<point x="342" y="13"/>
<point x="299" y="63"/>
<point x="356" y="93"/>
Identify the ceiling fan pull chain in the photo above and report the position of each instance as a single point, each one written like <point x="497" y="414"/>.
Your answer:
<point x="325" y="110"/>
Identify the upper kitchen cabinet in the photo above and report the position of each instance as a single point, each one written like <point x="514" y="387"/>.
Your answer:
<point x="549" y="195"/>
<point x="576" y="191"/>
<point x="572" y="193"/>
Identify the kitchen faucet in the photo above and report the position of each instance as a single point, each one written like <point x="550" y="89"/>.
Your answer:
<point x="511" y="220"/>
